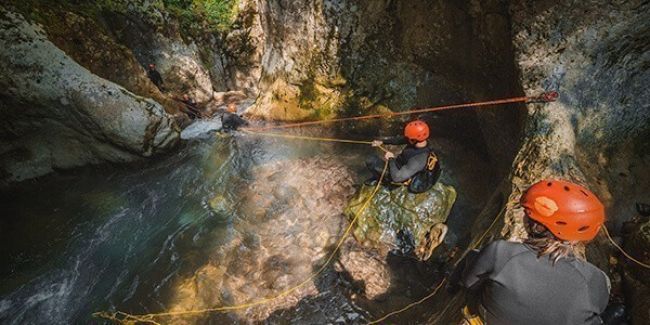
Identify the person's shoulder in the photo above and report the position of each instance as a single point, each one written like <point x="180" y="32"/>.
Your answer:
<point x="592" y="272"/>
<point x="505" y="247"/>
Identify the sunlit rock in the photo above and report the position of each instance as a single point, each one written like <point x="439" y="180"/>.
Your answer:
<point x="59" y="115"/>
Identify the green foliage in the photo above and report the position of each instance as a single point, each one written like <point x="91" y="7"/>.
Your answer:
<point x="181" y="4"/>
<point x="218" y="15"/>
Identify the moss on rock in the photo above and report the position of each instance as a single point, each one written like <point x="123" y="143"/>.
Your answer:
<point x="399" y="211"/>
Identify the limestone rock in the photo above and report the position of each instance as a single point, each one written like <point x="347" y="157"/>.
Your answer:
<point x="56" y="114"/>
<point x="201" y="128"/>
<point x="399" y="218"/>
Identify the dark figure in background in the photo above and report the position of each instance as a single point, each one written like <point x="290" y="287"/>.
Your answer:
<point x="416" y="166"/>
<point x="154" y="76"/>
<point x="230" y="121"/>
<point x="190" y="107"/>
<point x="545" y="280"/>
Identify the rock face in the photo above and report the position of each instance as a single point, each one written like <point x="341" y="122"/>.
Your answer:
<point x="400" y="219"/>
<point x="56" y="114"/>
<point x="597" y="132"/>
<point x="637" y="279"/>
<point x="326" y="58"/>
<point x="595" y="55"/>
<point x="597" y="60"/>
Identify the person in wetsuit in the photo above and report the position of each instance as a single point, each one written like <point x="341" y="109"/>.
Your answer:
<point x="154" y="76"/>
<point x="416" y="166"/>
<point x="230" y="121"/>
<point x="190" y="107"/>
<point x="545" y="280"/>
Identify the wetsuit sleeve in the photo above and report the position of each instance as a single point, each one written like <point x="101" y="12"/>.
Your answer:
<point x="395" y="140"/>
<point x="412" y="167"/>
<point x="483" y="265"/>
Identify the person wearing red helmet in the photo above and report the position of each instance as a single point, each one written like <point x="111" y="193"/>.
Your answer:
<point x="416" y="166"/>
<point x="545" y="279"/>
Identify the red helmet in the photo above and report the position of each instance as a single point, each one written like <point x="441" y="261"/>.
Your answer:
<point x="569" y="211"/>
<point x="417" y="130"/>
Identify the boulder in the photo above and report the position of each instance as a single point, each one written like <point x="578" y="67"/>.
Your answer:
<point x="398" y="218"/>
<point x="201" y="128"/>
<point x="56" y="114"/>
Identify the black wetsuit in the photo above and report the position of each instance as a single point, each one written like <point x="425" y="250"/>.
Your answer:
<point x="509" y="284"/>
<point x="155" y="77"/>
<point x="191" y="108"/>
<point x="410" y="164"/>
<point x="231" y="121"/>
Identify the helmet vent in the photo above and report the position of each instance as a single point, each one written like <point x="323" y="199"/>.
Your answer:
<point x="585" y="193"/>
<point x="566" y="188"/>
<point x="549" y="184"/>
<point x="583" y="228"/>
<point x="560" y="223"/>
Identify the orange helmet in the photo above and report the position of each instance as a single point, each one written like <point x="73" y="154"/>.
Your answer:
<point x="417" y="130"/>
<point x="568" y="210"/>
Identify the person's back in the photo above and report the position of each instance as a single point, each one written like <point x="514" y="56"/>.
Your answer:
<point x="230" y="120"/>
<point x="416" y="166"/>
<point x="515" y="286"/>
<point x="544" y="280"/>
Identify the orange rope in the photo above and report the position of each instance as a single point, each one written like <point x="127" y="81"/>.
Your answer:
<point x="521" y="99"/>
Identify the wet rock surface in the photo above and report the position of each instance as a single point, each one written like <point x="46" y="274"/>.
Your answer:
<point x="57" y="115"/>
<point x="328" y="58"/>
<point x="400" y="220"/>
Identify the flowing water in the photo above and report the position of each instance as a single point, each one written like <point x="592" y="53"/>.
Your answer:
<point x="143" y="239"/>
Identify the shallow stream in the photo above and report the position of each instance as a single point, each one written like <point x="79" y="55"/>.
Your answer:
<point x="142" y="239"/>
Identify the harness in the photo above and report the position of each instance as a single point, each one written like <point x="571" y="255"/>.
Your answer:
<point x="429" y="167"/>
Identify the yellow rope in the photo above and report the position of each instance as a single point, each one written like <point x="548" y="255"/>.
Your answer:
<point x="302" y="137"/>
<point x="476" y="244"/>
<point x="622" y="250"/>
<point x="125" y="318"/>
<point x="407" y="307"/>
<point x="433" y="293"/>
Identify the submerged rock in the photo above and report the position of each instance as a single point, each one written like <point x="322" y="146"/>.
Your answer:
<point x="398" y="218"/>
<point x="289" y="218"/>
<point x="220" y="207"/>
